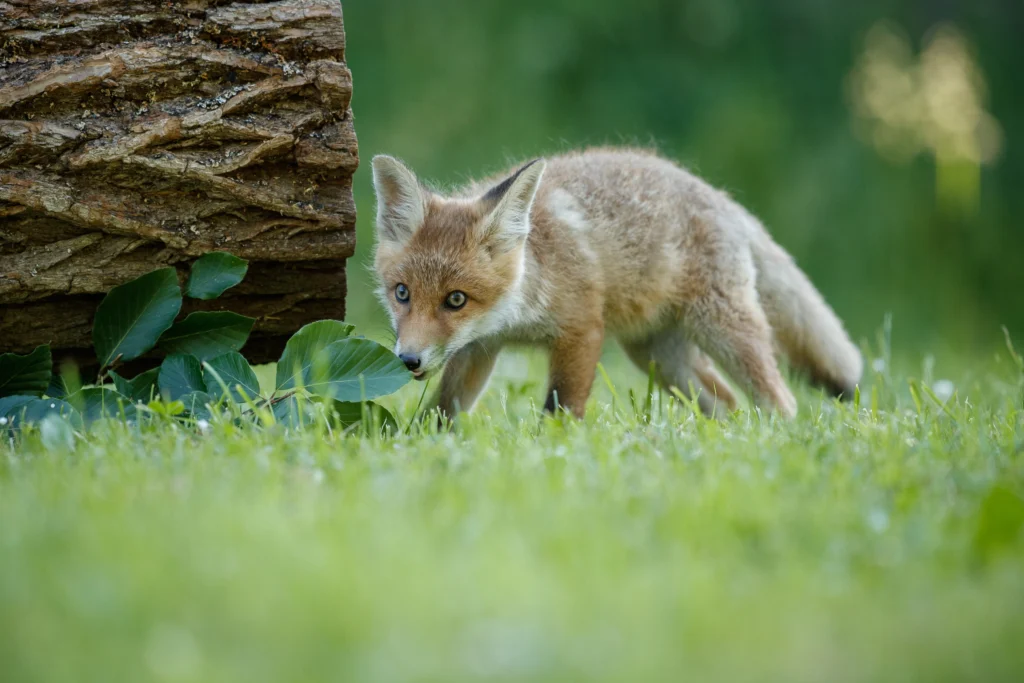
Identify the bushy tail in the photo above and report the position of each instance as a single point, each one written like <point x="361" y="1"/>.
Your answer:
<point x="806" y="328"/>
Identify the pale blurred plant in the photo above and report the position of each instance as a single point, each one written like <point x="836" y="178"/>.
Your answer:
<point x="933" y="103"/>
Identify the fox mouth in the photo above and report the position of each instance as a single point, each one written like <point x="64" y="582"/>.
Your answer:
<point x="421" y="374"/>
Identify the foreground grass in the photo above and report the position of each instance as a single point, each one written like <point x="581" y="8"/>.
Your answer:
<point x="876" y="542"/>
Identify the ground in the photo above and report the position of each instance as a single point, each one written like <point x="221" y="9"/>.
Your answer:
<point x="879" y="540"/>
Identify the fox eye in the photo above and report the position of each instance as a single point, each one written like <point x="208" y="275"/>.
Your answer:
<point x="402" y="293"/>
<point x="455" y="300"/>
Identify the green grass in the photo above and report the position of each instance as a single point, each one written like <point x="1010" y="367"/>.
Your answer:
<point x="873" y="543"/>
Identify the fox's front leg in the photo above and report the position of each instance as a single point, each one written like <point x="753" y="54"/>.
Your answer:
<point x="466" y="376"/>
<point x="574" y="358"/>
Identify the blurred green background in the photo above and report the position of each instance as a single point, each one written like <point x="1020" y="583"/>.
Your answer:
<point x="879" y="141"/>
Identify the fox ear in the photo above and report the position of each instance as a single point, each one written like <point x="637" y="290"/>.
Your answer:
<point x="400" y="200"/>
<point x="508" y="223"/>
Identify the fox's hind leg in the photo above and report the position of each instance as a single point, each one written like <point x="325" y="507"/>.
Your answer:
<point x="734" y="331"/>
<point x="680" y="364"/>
<point x="722" y="312"/>
<point x="713" y="382"/>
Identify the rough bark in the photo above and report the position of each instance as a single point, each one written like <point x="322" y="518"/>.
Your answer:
<point x="136" y="134"/>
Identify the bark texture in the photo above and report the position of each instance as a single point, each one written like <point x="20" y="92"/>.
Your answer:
<point x="136" y="134"/>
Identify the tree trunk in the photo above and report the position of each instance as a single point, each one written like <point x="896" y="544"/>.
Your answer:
<point x="136" y="134"/>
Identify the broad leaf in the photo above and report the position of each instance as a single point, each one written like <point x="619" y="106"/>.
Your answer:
<point x="179" y="375"/>
<point x="141" y="388"/>
<point x="301" y="411"/>
<point x="35" y="410"/>
<point x="208" y="334"/>
<point x="351" y="413"/>
<point x="131" y="318"/>
<point x="26" y="375"/>
<point x="57" y="388"/>
<point x="214" y="273"/>
<point x="233" y="370"/>
<point x="10" y="406"/>
<point x="296" y="362"/>
<point x="294" y="412"/>
<point x="355" y="370"/>
<point x="198" y="404"/>
<point x="96" y="403"/>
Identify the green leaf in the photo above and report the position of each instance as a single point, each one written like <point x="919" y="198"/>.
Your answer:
<point x="233" y="370"/>
<point x="26" y="375"/>
<point x="302" y="411"/>
<point x="197" y="404"/>
<point x="296" y="362"/>
<point x="214" y="273"/>
<point x="57" y="388"/>
<point x="179" y="375"/>
<point x="351" y="413"/>
<point x="143" y="387"/>
<point x="36" y="410"/>
<point x="10" y="407"/>
<point x="292" y="413"/>
<point x="355" y="370"/>
<point x="208" y="334"/>
<point x="97" y="403"/>
<point x="131" y="318"/>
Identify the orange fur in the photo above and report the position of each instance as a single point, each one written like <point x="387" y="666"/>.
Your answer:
<point x="605" y="241"/>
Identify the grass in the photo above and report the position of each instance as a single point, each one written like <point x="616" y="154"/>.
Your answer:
<point x="871" y="542"/>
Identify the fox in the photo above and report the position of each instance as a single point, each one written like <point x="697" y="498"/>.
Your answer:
<point x="566" y="251"/>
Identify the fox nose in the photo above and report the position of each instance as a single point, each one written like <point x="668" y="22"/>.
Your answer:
<point x="411" y="360"/>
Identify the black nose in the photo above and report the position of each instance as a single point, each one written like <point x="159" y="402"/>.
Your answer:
<point x="411" y="360"/>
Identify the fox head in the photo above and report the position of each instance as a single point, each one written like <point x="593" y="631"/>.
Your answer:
<point x="448" y="268"/>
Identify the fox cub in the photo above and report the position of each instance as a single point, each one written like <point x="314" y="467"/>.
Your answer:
<point x="566" y="251"/>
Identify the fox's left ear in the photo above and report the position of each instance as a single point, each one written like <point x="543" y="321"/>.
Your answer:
<point x="508" y="223"/>
<point x="400" y="200"/>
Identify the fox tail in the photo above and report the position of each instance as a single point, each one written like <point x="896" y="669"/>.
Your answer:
<point x="806" y="329"/>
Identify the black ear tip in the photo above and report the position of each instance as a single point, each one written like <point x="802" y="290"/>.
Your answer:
<point x="499" y="190"/>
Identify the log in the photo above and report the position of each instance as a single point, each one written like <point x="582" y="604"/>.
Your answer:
<point x="137" y="134"/>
